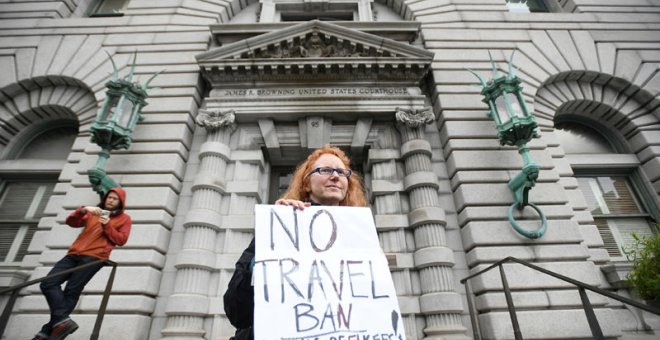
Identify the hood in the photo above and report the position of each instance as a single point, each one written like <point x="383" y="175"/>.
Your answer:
<point x="122" y="197"/>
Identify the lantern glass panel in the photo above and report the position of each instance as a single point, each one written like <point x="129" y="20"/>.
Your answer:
<point x="515" y="105"/>
<point x="109" y="109"/>
<point x="126" y="113"/>
<point x="502" y="109"/>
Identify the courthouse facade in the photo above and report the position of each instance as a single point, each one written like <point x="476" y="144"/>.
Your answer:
<point x="250" y="87"/>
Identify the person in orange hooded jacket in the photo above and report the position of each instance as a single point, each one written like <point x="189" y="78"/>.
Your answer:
<point x="105" y="226"/>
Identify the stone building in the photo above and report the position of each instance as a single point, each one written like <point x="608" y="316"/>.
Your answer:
<point x="249" y="87"/>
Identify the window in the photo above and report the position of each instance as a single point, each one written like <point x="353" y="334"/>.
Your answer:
<point x="616" y="211"/>
<point x="28" y="174"/>
<point x="527" y="6"/>
<point x="321" y="16"/>
<point x="109" y="8"/>
<point x="580" y="139"/>
<point x="348" y="10"/>
<point x="21" y="206"/>
<point x="610" y="183"/>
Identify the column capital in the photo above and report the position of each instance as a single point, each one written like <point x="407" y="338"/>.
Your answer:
<point x="215" y="119"/>
<point x="414" y="118"/>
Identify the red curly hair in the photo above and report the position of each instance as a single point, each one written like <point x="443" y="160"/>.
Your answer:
<point x="300" y="181"/>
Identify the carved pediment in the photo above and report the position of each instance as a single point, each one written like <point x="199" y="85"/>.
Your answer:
<point x="315" y="45"/>
<point x="317" y="50"/>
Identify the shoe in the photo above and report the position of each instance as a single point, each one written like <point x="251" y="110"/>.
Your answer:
<point x="62" y="329"/>
<point x="40" y="336"/>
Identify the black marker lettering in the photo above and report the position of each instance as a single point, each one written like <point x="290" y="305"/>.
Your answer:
<point x="285" y="276"/>
<point x="333" y="235"/>
<point x="293" y="237"/>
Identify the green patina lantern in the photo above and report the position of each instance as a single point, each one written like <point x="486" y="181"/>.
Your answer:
<point x="115" y="121"/>
<point x="516" y="126"/>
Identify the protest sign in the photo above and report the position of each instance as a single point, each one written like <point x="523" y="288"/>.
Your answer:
<point x="320" y="274"/>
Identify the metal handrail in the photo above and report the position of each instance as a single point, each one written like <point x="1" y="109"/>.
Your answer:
<point x="4" y="319"/>
<point x="582" y="288"/>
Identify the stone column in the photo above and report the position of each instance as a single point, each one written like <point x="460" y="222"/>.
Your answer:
<point x="389" y="203"/>
<point x="439" y="302"/>
<point x="189" y="304"/>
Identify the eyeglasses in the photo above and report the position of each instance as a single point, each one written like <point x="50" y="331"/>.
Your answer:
<point x="327" y="171"/>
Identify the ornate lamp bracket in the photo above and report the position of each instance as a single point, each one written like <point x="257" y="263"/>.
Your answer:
<point x="115" y="121"/>
<point x="516" y="126"/>
<point x="100" y="181"/>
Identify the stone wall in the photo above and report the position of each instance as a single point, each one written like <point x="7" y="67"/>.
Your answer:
<point x="592" y="51"/>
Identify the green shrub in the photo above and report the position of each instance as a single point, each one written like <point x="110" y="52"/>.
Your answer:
<point x="645" y="274"/>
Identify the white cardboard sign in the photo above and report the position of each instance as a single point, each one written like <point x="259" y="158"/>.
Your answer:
<point x="320" y="274"/>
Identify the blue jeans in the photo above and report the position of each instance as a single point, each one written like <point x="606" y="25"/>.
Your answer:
<point x="62" y="302"/>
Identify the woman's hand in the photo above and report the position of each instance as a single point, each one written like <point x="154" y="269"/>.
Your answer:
<point x="293" y="203"/>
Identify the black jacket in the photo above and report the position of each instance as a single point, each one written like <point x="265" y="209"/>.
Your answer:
<point x="239" y="297"/>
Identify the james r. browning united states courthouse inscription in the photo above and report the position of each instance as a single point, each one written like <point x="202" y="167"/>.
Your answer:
<point x="320" y="91"/>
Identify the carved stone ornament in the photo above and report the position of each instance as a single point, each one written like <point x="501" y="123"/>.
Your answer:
<point x="415" y="117"/>
<point x="214" y="119"/>
<point x="315" y="45"/>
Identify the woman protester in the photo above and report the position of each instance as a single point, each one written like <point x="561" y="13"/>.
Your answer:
<point x="324" y="178"/>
